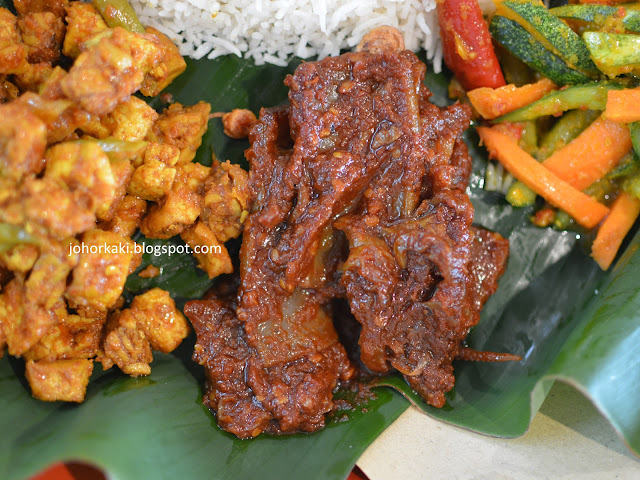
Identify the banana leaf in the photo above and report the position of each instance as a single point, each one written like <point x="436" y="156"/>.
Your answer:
<point x="554" y="307"/>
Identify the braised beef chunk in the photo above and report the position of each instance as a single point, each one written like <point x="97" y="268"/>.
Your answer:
<point x="250" y="398"/>
<point x="358" y="192"/>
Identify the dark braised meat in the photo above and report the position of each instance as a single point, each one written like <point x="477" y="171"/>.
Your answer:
<point x="249" y="397"/>
<point x="358" y="192"/>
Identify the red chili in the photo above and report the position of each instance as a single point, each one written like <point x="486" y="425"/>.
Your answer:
<point x="466" y="44"/>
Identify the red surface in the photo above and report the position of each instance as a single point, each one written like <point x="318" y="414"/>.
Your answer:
<point x="80" y="471"/>
<point x="463" y="30"/>
<point x="70" y="471"/>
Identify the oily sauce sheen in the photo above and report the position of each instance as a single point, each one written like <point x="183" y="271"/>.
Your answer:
<point x="358" y="193"/>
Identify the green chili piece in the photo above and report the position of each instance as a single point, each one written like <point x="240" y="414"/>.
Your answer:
<point x="529" y="139"/>
<point x="563" y="221"/>
<point x="592" y="96"/>
<point x="519" y="195"/>
<point x="12" y="235"/>
<point x="119" y="13"/>
<point x="631" y="185"/>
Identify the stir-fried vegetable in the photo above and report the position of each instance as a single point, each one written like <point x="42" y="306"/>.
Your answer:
<point x="592" y="154"/>
<point x="492" y="103"/>
<point x="525" y="168"/>
<point x="623" y="105"/>
<point x="592" y="96"/>
<point x="568" y="127"/>
<point x="624" y="212"/>
<point x="634" y="130"/>
<point x="514" y="38"/>
<point x="601" y="15"/>
<point x="519" y="195"/>
<point x="614" y="53"/>
<point x="555" y="35"/>
<point x="119" y="13"/>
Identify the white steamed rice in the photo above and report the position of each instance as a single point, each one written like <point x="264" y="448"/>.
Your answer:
<point x="273" y="31"/>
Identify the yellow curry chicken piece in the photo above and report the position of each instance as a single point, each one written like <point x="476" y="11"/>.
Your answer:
<point x="152" y="321"/>
<point x="153" y="179"/>
<point x="80" y="158"/>
<point x="126" y="216"/>
<point x="83" y="167"/>
<point x="182" y="127"/>
<point x="130" y="120"/>
<point x="83" y="22"/>
<point x="103" y="266"/>
<point x="180" y="207"/>
<point x="13" y="53"/>
<point x="23" y="139"/>
<point x="226" y="200"/>
<point x="59" y="380"/>
<point x="211" y="254"/>
<point x="42" y="33"/>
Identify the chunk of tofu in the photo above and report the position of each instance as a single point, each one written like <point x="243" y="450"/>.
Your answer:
<point x="23" y="322"/>
<point x="182" y="127"/>
<point x="23" y="139"/>
<point x="20" y="258"/>
<point x="57" y="7"/>
<point x="32" y="307"/>
<point x="154" y="176"/>
<point x="126" y="345"/>
<point x="226" y="200"/>
<point x="212" y="255"/>
<point x="152" y="180"/>
<point x="122" y="171"/>
<point x="53" y="207"/>
<point x="156" y="315"/>
<point x="13" y="53"/>
<point x="48" y="279"/>
<point x="108" y="72"/>
<point x="98" y="279"/>
<point x="84" y="168"/>
<point x="131" y="120"/>
<point x="83" y="22"/>
<point x="180" y="207"/>
<point x="42" y="33"/>
<point x="126" y="217"/>
<point x="167" y="154"/>
<point x="72" y="337"/>
<point x="168" y="66"/>
<point x="59" y="380"/>
<point x="34" y="76"/>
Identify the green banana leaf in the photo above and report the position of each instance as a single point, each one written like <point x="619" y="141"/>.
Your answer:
<point x="554" y="306"/>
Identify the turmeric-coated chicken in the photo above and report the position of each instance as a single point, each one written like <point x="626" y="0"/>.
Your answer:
<point x="85" y="164"/>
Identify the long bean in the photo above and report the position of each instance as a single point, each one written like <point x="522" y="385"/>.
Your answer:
<point x="591" y="96"/>
<point x="119" y="13"/>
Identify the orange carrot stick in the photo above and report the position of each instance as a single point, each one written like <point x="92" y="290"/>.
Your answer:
<point x="592" y="154"/>
<point x="623" y="105"/>
<point x="495" y="102"/>
<point x="624" y="211"/>
<point x="586" y="211"/>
